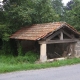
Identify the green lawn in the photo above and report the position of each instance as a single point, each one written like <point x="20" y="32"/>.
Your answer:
<point x="9" y="64"/>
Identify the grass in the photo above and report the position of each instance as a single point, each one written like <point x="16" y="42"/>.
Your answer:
<point x="10" y="63"/>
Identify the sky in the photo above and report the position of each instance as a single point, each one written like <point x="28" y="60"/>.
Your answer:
<point x="1" y="0"/>
<point x="65" y="1"/>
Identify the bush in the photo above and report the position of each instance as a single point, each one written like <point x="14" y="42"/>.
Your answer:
<point x="20" y="51"/>
<point x="31" y="56"/>
<point x="6" y="48"/>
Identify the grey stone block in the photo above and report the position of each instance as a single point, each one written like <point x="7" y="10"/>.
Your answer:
<point x="77" y="48"/>
<point x="78" y="44"/>
<point x="78" y="53"/>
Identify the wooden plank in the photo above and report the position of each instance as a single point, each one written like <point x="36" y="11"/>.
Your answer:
<point x="58" y="41"/>
<point x="61" y="36"/>
<point x="61" y="41"/>
<point x="53" y="35"/>
<point x="67" y="34"/>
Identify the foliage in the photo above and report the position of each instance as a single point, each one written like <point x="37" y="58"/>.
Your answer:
<point x="20" y="51"/>
<point x="9" y="64"/>
<point x="31" y="56"/>
<point x="18" y="13"/>
<point x="72" y="14"/>
<point x="58" y="6"/>
<point x="43" y="12"/>
<point x="6" y="49"/>
<point x="69" y="5"/>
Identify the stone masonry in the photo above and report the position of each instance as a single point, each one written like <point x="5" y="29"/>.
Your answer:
<point x="77" y="49"/>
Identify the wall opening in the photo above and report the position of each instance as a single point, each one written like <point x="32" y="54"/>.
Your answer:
<point x="58" y="50"/>
<point x="28" y="45"/>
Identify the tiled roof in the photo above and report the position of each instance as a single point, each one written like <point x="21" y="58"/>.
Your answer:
<point x="39" y="31"/>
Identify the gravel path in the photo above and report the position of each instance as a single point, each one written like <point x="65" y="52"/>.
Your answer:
<point x="61" y="73"/>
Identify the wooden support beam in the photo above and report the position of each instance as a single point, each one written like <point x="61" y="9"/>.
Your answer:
<point x="61" y="36"/>
<point x="53" y="35"/>
<point x="58" y="41"/>
<point x="67" y="34"/>
<point x="61" y="33"/>
<point x="61" y="41"/>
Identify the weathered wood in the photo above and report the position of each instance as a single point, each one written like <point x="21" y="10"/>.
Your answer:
<point x="61" y="41"/>
<point x="64" y="54"/>
<point x="58" y="41"/>
<point x="53" y="35"/>
<point x="61" y="32"/>
<point x="67" y="34"/>
<point x="61" y="36"/>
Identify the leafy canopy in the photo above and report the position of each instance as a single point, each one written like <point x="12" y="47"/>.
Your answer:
<point x="72" y="13"/>
<point x="18" y="13"/>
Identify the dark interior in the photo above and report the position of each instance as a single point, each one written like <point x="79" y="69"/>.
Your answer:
<point x="57" y="50"/>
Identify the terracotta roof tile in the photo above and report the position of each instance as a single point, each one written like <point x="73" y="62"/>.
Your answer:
<point x="38" y="31"/>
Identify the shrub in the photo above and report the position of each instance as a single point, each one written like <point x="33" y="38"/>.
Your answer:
<point x="31" y="56"/>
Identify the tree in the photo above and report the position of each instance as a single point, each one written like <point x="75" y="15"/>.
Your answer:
<point x="25" y="12"/>
<point x="44" y="12"/>
<point x="58" y="6"/>
<point x="72" y="14"/>
<point x="18" y="13"/>
<point x="69" y="5"/>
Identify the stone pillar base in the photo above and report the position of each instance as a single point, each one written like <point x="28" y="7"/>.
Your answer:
<point x="43" y="58"/>
<point x="43" y="55"/>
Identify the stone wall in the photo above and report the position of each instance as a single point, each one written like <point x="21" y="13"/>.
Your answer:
<point x="77" y="49"/>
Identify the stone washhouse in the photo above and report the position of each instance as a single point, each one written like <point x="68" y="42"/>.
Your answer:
<point x="51" y="40"/>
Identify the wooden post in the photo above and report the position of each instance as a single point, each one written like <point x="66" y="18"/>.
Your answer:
<point x="61" y="36"/>
<point x="43" y="55"/>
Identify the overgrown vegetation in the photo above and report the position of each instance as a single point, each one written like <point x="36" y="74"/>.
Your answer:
<point x="72" y="13"/>
<point x="17" y="13"/>
<point x="29" y="57"/>
<point x="8" y="64"/>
